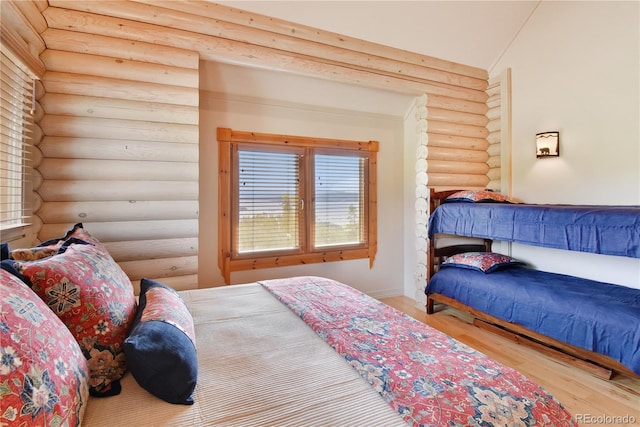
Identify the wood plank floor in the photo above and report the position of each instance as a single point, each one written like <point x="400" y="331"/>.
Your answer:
<point x="592" y="401"/>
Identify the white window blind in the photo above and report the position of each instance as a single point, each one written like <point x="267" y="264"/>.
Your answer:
<point x="339" y="200"/>
<point x="270" y="213"/>
<point x="16" y="113"/>
<point x="268" y="201"/>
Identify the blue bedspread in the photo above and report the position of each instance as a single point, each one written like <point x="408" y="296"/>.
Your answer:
<point x="597" y="316"/>
<point x="608" y="230"/>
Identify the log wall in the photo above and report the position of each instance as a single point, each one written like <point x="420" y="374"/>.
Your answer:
<point x="499" y="127"/>
<point x="494" y="137"/>
<point x="119" y="148"/>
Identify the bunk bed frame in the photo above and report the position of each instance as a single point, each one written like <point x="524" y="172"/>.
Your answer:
<point x="598" y="364"/>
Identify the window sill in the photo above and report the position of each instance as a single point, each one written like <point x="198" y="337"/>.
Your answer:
<point x="231" y="265"/>
<point x="13" y="232"/>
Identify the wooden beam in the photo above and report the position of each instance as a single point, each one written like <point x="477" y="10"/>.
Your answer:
<point x="452" y="180"/>
<point x="282" y="27"/>
<point x="114" y="108"/>
<point x="161" y="267"/>
<point x="121" y="231"/>
<point x="127" y="210"/>
<point x="65" y="190"/>
<point x="211" y="21"/>
<point x="115" y="47"/>
<point x="456" y="154"/>
<point x="12" y="17"/>
<point x="19" y="51"/>
<point x="456" y="141"/>
<point x="32" y="14"/>
<point x="458" y="117"/>
<point x="118" y="129"/>
<point x="221" y="49"/>
<point x="156" y="248"/>
<point x="76" y="84"/>
<point x="117" y="149"/>
<point x="456" y="167"/>
<point x="118" y="68"/>
<point x="89" y="169"/>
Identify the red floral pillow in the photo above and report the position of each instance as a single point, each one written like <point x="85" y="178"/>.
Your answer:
<point x="43" y="370"/>
<point x="485" y="262"/>
<point x="94" y="298"/>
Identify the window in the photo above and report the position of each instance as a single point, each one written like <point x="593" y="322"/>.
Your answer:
<point x="288" y="200"/>
<point x="16" y="97"/>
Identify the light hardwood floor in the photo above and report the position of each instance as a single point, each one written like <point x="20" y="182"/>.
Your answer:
<point x="592" y="401"/>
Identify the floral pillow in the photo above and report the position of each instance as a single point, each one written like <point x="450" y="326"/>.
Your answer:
<point x="52" y="246"/>
<point x="94" y="298"/>
<point x="43" y="370"/>
<point x="485" y="262"/>
<point x="161" y="351"/>
<point x="477" y="196"/>
<point x="78" y="232"/>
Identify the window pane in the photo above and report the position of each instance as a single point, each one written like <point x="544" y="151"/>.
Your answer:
<point x="268" y="201"/>
<point x="339" y="200"/>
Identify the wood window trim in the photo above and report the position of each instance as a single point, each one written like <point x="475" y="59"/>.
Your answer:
<point x="226" y="137"/>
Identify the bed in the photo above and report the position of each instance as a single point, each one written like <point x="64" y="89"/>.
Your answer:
<point x="296" y="351"/>
<point x="594" y="323"/>
<point x="261" y="365"/>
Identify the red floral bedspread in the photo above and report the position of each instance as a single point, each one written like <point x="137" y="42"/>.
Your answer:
<point x="429" y="378"/>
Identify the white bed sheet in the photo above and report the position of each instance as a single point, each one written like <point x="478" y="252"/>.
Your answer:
<point x="259" y="365"/>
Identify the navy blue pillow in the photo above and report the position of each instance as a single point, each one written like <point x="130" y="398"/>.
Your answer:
<point x="4" y="251"/>
<point x="160" y="350"/>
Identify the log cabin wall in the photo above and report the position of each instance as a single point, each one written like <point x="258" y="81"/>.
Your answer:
<point x="494" y="149"/>
<point x="119" y="151"/>
<point x="499" y="127"/>
<point x="455" y="144"/>
<point x="120" y="123"/>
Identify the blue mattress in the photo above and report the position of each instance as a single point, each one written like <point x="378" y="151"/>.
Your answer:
<point x="596" y="316"/>
<point x="608" y="230"/>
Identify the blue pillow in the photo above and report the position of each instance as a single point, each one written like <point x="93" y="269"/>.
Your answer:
<point x="160" y="350"/>
<point x="4" y="251"/>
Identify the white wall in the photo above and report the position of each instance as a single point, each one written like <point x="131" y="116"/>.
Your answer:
<point x="256" y="100"/>
<point x="575" y="69"/>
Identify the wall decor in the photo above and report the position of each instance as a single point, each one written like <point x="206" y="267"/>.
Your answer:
<point x="547" y="144"/>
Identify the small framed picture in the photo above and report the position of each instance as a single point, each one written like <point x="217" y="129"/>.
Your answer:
<point x="547" y="144"/>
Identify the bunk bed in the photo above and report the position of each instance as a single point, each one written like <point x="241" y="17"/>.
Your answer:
<point x="292" y="351"/>
<point x="588" y="323"/>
